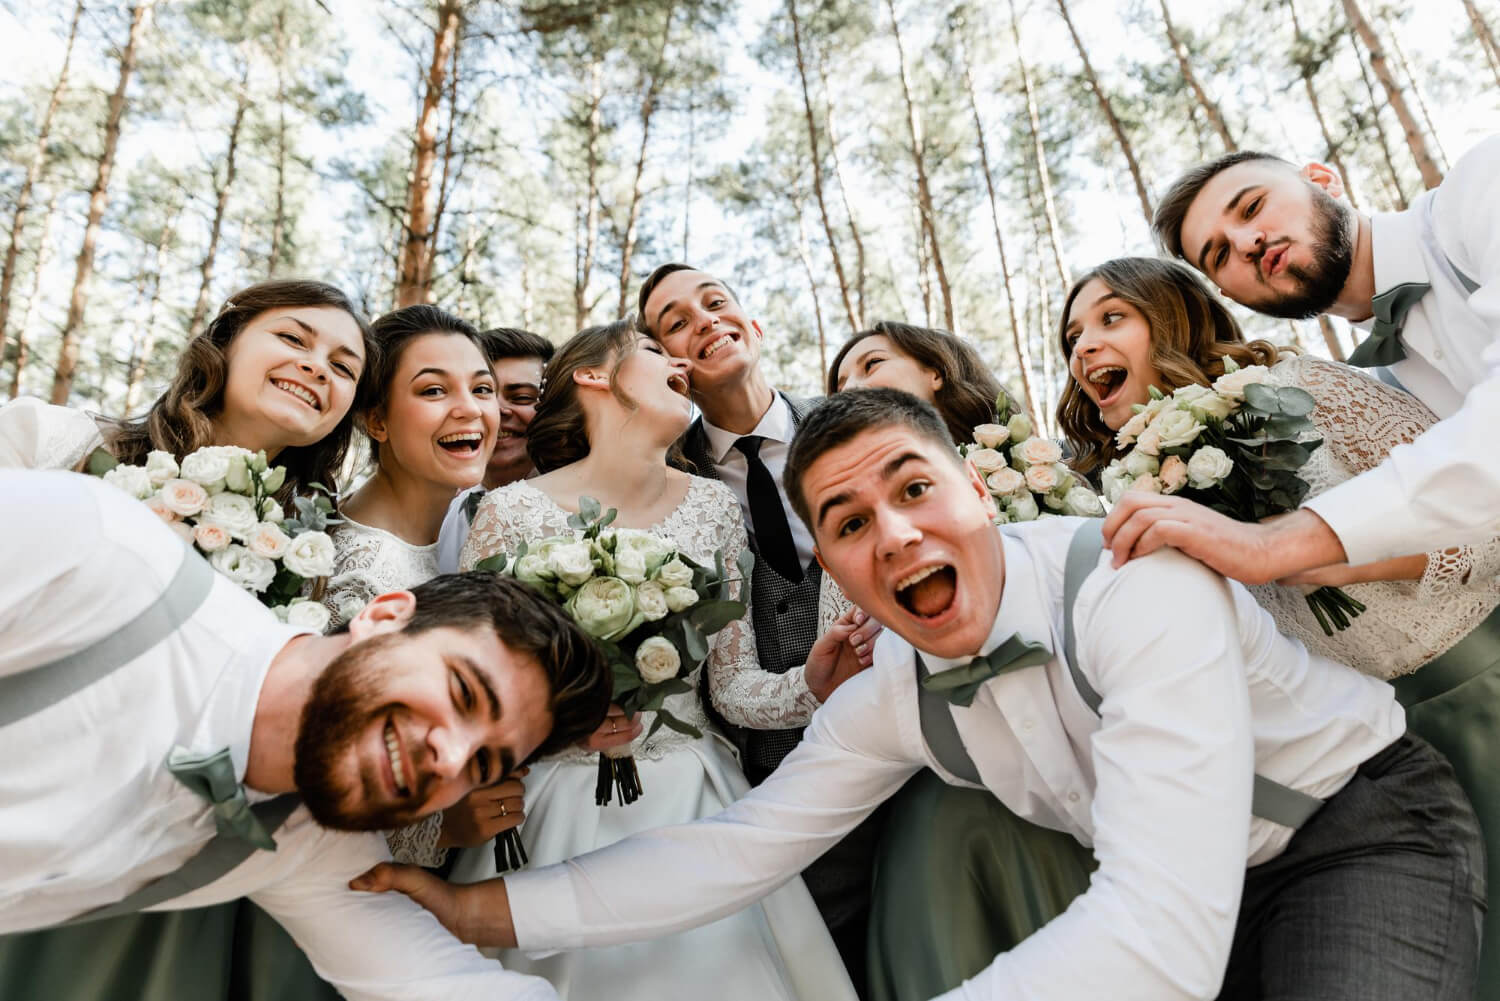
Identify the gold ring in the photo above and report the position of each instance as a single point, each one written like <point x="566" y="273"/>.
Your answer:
<point x="614" y="726"/>
<point x="504" y="810"/>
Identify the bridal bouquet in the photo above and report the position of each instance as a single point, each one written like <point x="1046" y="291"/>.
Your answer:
<point x="651" y="608"/>
<point x="1034" y="483"/>
<point x="221" y="501"/>
<point x="1234" y="447"/>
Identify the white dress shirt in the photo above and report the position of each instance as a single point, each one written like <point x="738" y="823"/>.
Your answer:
<point x="89" y="812"/>
<point x="778" y="429"/>
<point x="454" y="532"/>
<point x="1199" y="693"/>
<point x="1444" y="488"/>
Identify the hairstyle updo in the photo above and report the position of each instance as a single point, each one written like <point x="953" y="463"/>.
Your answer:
<point x="557" y="436"/>
<point x="392" y="333"/>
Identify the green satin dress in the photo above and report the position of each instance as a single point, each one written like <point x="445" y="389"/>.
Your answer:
<point x="958" y="880"/>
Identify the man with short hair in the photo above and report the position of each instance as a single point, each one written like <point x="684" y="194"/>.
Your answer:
<point x="170" y="744"/>
<point x="1147" y="710"/>
<point x="518" y="358"/>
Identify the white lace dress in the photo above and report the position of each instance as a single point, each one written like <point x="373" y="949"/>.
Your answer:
<point x="1405" y="623"/>
<point x="777" y="949"/>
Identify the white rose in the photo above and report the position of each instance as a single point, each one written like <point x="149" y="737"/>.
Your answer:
<point x="991" y="435"/>
<point x="986" y="460"/>
<point x="268" y="540"/>
<point x="308" y="615"/>
<point x="1145" y="485"/>
<point x="161" y="467"/>
<point x="1209" y="466"/>
<point x="311" y="554"/>
<point x="1083" y="502"/>
<point x="604" y="607"/>
<point x="1005" y="481"/>
<point x="1022" y="508"/>
<point x="1114" y="480"/>
<point x="234" y="512"/>
<point x="251" y="572"/>
<point x="532" y="569"/>
<point x="1211" y="405"/>
<point x="1037" y="452"/>
<point x="571" y="562"/>
<point x="652" y="549"/>
<point x="679" y="598"/>
<point x="1187" y="394"/>
<point x="184" y="531"/>
<point x="675" y="573"/>
<point x="211" y="538"/>
<point x="1019" y="427"/>
<point x="206" y="467"/>
<point x="1149" y="442"/>
<point x="1132" y="429"/>
<point x="134" y="480"/>
<point x="1175" y="428"/>
<point x="651" y="601"/>
<point x="159" y="508"/>
<point x="630" y="565"/>
<point x="183" y="497"/>
<point x="270" y="510"/>
<point x="1139" y="463"/>
<point x="1231" y="385"/>
<point x="1042" y="479"/>
<point x="657" y="660"/>
<point x="1174" y="474"/>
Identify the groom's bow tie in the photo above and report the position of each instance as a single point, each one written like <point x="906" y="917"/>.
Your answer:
<point x="1383" y="346"/>
<point x="211" y="776"/>
<point x="960" y="684"/>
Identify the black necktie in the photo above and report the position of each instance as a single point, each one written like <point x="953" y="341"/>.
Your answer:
<point x="773" y="536"/>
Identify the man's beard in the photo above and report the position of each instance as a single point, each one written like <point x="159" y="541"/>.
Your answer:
<point x="345" y="703"/>
<point x="1333" y="258"/>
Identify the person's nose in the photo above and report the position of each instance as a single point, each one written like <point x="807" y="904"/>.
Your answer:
<point x="703" y="320"/>
<point x="449" y="749"/>
<point x="313" y="369"/>
<point x="1248" y="241"/>
<point x="895" y="532"/>
<point x="466" y="404"/>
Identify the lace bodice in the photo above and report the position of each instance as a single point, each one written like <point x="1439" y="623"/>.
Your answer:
<point x="707" y="519"/>
<point x="1406" y="623"/>
<point x="831" y="603"/>
<point x="37" y="435"/>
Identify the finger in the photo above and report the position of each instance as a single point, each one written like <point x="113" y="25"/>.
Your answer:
<point x="1127" y="533"/>
<point x="867" y="632"/>
<point x="389" y="876"/>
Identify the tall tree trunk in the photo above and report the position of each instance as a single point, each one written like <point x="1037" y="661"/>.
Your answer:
<point x="39" y="268"/>
<point x="804" y="253"/>
<point x="919" y="158"/>
<point x="67" y="352"/>
<point x="924" y="276"/>
<point x="1048" y="395"/>
<point x="1108" y="111"/>
<point x="1432" y="176"/>
<point x="1017" y="335"/>
<point x="221" y="204"/>
<point x="1044" y="176"/>
<point x="587" y="241"/>
<point x="414" y="277"/>
<point x="838" y="179"/>
<point x="1485" y="37"/>
<point x="1416" y="89"/>
<point x="648" y="111"/>
<point x="34" y="168"/>
<point x="1210" y="107"/>
<point x="1384" y="143"/>
<point x="1307" y="71"/>
<point x="1330" y="337"/>
<point x="816" y="157"/>
<point x="449" y="175"/>
<point x="687" y="188"/>
<point x="278" y="212"/>
<point x="142" y="346"/>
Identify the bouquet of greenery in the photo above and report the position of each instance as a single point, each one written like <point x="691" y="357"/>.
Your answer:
<point x="652" y="610"/>
<point x="1035" y="482"/>
<point x="1234" y="447"/>
<point x="221" y="501"/>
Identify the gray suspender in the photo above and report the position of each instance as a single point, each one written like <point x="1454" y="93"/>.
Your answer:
<point x="1269" y="800"/>
<point x="31" y="691"/>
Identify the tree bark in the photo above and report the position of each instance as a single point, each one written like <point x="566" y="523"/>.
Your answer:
<point x="142" y="347"/>
<point x="34" y="168"/>
<point x="1485" y="37"/>
<point x="585" y="243"/>
<point x="838" y="178"/>
<point x="924" y="191"/>
<point x="1307" y="71"/>
<point x="1108" y="111"/>
<point x="1432" y="176"/>
<point x="414" y="277"/>
<point x="648" y="110"/>
<point x="1416" y="89"/>
<point x="1385" y="146"/>
<point x="804" y="252"/>
<point x="449" y="175"/>
<point x="1044" y="176"/>
<point x="1210" y="107"/>
<point x="221" y="203"/>
<point x="39" y="268"/>
<point x="816" y="157"/>
<point x="278" y="213"/>
<point x="67" y="352"/>
<point x="1330" y="337"/>
<point x="1048" y="395"/>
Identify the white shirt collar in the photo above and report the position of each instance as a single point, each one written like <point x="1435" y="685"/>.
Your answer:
<point x="1396" y="245"/>
<point x="1021" y="609"/>
<point x="775" y="425"/>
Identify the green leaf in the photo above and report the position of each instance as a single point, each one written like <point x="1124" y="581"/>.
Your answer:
<point x="1284" y="455"/>
<point x="674" y="723"/>
<point x="494" y="564"/>
<point x="100" y="462"/>
<point x="609" y="518"/>
<point x="1262" y="398"/>
<point x="711" y="616"/>
<point x="1295" y="402"/>
<point x="746" y="564"/>
<point x="588" y="509"/>
<point x="697" y="646"/>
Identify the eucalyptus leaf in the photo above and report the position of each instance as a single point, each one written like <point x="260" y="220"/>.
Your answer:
<point x="697" y="646"/>
<point x="711" y="616"/>
<point x="1262" y="398"/>
<point x="100" y="462"/>
<point x="746" y="564"/>
<point x="609" y="518"/>
<point x="494" y="564"/>
<point x="1295" y="402"/>
<point x="666" y="718"/>
<point x="588" y="509"/>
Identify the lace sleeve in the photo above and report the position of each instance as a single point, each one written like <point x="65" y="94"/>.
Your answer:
<point x="506" y="517"/>
<point x="418" y="844"/>
<point x="745" y="694"/>
<point x="832" y="603"/>
<point x="37" y="435"/>
<point x="1361" y="419"/>
<point x="350" y="586"/>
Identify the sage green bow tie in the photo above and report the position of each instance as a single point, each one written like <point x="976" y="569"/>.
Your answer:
<point x="960" y="684"/>
<point x="211" y="776"/>
<point x="1383" y="346"/>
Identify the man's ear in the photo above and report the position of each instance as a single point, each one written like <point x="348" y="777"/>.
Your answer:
<point x="977" y="484"/>
<point x="386" y="613"/>
<point x="755" y="326"/>
<point x="1324" y="177"/>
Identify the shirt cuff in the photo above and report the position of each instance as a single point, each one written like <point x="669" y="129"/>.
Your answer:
<point x="544" y="909"/>
<point x="1361" y="513"/>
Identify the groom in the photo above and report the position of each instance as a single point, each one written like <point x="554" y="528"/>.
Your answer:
<point x="169" y="744"/>
<point x="1134" y="718"/>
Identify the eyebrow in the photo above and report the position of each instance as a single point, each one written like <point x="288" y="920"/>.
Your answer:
<point x="890" y="469"/>
<point x="443" y="372"/>
<point x="1228" y="208"/>
<point x="519" y="385"/>
<point x="698" y="288"/>
<point x="484" y="683"/>
<point x="314" y="332"/>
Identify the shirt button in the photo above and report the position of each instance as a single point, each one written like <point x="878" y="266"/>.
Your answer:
<point x="1028" y="725"/>
<point x="781" y="608"/>
<point x="1438" y="354"/>
<point x="1072" y="797"/>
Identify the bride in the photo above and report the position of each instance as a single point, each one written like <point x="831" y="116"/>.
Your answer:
<point x="612" y="387"/>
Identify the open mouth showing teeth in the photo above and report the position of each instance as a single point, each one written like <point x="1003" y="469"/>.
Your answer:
<point x="1107" y="380"/>
<point x="677" y="384"/>
<point x="302" y="394"/>
<point x="928" y="592"/>
<point x="461" y="443"/>
<point x="398" y="769"/>
<point x="715" y="347"/>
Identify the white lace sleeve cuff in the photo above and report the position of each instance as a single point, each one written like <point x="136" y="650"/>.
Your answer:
<point x="418" y="844"/>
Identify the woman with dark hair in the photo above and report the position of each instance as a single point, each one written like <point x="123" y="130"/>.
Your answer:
<point x="1431" y="623"/>
<point x="612" y="405"/>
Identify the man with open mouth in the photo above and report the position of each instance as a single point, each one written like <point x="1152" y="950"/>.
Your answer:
<point x="1265" y="828"/>
<point x="170" y="744"/>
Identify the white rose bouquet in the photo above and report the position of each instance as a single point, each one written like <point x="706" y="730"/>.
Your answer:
<point x="1034" y="482"/>
<point x="221" y="501"/>
<point x="1235" y="447"/>
<point x="651" y="609"/>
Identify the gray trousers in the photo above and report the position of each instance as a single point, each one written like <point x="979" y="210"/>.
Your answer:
<point x="1379" y="897"/>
